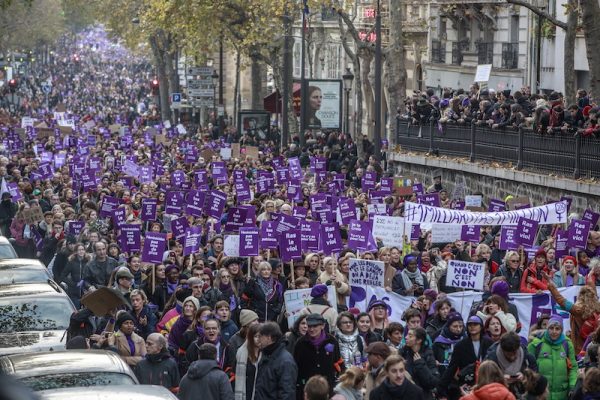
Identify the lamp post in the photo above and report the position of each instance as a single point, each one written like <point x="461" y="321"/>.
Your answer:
<point x="348" y="77"/>
<point x="215" y="80"/>
<point x="378" y="73"/>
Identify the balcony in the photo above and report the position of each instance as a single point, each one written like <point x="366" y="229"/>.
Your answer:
<point x="438" y="52"/>
<point x="510" y="55"/>
<point x="485" y="52"/>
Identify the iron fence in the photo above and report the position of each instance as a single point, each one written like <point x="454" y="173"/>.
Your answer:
<point x="561" y="154"/>
<point x="485" y="52"/>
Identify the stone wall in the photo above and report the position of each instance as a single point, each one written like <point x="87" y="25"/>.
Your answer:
<point x="495" y="182"/>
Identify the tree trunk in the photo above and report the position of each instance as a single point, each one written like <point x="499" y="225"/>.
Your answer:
<point x="163" y="82"/>
<point x="569" y="52"/>
<point x="396" y="70"/>
<point x="590" y="11"/>
<point x="256" y="76"/>
<point x="236" y="90"/>
<point x="367" y="90"/>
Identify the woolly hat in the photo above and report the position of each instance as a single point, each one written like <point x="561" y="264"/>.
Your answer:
<point x="376" y="303"/>
<point x="453" y="317"/>
<point x="247" y="317"/>
<point x="501" y="288"/>
<point x="193" y="300"/>
<point x="122" y="318"/>
<point x="318" y="290"/>
<point x="431" y="294"/>
<point x="555" y="319"/>
<point x="541" y="253"/>
<point x="565" y="258"/>
<point x="171" y="268"/>
<point x="209" y="272"/>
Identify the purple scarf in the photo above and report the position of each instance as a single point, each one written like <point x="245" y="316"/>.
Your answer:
<point x="318" y="340"/>
<point x="131" y="344"/>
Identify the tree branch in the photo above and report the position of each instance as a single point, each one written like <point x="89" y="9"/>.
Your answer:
<point x="540" y="12"/>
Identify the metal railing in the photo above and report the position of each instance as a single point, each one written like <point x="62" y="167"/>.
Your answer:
<point x="510" y="55"/>
<point x="438" y="52"/>
<point x="561" y="153"/>
<point x="485" y="52"/>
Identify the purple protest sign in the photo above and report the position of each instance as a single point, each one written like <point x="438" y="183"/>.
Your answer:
<point x="457" y="205"/>
<point x="526" y="231"/>
<point x="109" y="204"/>
<point x="146" y="174"/>
<point x="310" y="235"/>
<point x="192" y="240"/>
<point x="219" y="173"/>
<point x="239" y="175"/>
<point x="88" y="181"/>
<point x="195" y="202"/>
<point x="418" y="188"/>
<point x="294" y="191"/>
<point x="431" y="199"/>
<point x="318" y="200"/>
<point x="376" y="196"/>
<point x="318" y="164"/>
<point x="358" y="234"/>
<point x="13" y="188"/>
<point x="295" y="168"/>
<point x="178" y="227"/>
<point x="290" y="246"/>
<point x="508" y="238"/>
<point x="130" y="168"/>
<point x="130" y="237"/>
<point x="300" y="212"/>
<point x="368" y="181"/>
<point x="215" y="203"/>
<point x="174" y="201"/>
<point x="415" y="231"/>
<point x="331" y="240"/>
<point x="579" y="231"/>
<point x="588" y="215"/>
<point x="177" y="178"/>
<point x="200" y="178"/>
<point x="75" y="227"/>
<point x="242" y="191"/>
<point x="496" y="206"/>
<point x="347" y="210"/>
<point x="250" y="216"/>
<point x="283" y="176"/>
<point x="155" y="244"/>
<point x="119" y="216"/>
<point x="268" y="235"/>
<point x="324" y="215"/>
<point x="287" y="222"/>
<point x="149" y="208"/>
<point x="470" y="233"/>
<point x="248" y="242"/>
<point x="387" y="185"/>
<point x="236" y="218"/>
<point x="561" y="243"/>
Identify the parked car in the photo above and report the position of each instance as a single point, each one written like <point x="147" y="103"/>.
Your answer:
<point x="69" y="368"/>
<point x="33" y="317"/>
<point x="23" y="270"/>
<point x="138" y="392"/>
<point x="6" y="249"/>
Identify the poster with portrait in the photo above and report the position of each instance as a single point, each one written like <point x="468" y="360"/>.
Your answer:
<point x="323" y="104"/>
<point x="254" y="123"/>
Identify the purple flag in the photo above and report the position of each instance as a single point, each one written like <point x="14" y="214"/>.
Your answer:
<point x="331" y="240"/>
<point x="588" y="215"/>
<point x="578" y="233"/>
<point x="347" y="210"/>
<point x="149" y="207"/>
<point x="130" y="238"/>
<point x="508" y="238"/>
<point x="248" y="242"/>
<point x="178" y="227"/>
<point x="496" y="206"/>
<point x="431" y="199"/>
<point x="268" y="235"/>
<point x="155" y="244"/>
<point x="470" y="233"/>
<point x="358" y="234"/>
<point x="195" y="202"/>
<point x="236" y="218"/>
<point x="526" y="231"/>
<point x="290" y="246"/>
<point x="215" y="203"/>
<point x="191" y="243"/>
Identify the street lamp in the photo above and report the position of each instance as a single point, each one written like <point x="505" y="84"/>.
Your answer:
<point x="215" y="80"/>
<point x="348" y="77"/>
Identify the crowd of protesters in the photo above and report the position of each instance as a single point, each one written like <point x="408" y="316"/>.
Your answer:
<point x="506" y="109"/>
<point x="211" y="326"/>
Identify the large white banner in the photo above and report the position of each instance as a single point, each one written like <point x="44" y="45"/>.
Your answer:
<point x="553" y="213"/>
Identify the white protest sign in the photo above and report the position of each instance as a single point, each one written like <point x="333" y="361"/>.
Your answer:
<point x="444" y="233"/>
<point x="465" y="275"/>
<point x="365" y="272"/>
<point x="297" y="300"/>
<point x="181" y="129"/>
<point x="390" y="230"/>
<point x="231" y="245"/>
<point x="27" y="121"/>
<point x="225" y="153"/>
<point x="376" y="209"/>
<point x="473" y="201"/>
<point x="483" y="73"/>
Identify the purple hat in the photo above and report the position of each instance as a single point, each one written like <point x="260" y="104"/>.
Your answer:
<point x="430" y="293"/>
<point x="318" y="290"/>
<point x="474" y="319"/>
<point x="555" y="319"/>
<point x="453" y="317"/>
<point x="170" y="268"/>
<point x="376" y="303"/>
<point x="501" y="289"/>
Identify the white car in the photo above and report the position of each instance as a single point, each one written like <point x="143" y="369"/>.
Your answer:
<point x="23" y="270"/>
<point x="6" y="249"/>
<point x="138" y="392"/>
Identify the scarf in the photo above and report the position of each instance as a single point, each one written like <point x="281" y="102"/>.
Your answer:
<point x="349" y="348"/>
<point x="510" y="368"/>
<point x="225" y="288"/>
<point x="447" y="337"/>
<point x="559" y="340"/>
<point x="240" y="372"/>
<point x="131" y="344"/>
<point x="171" y="287"/>
<point x="395" y="390"/>
<point x="409" y="277"/>
<point x="267" y="286"/>
<point x="318" y="340"/>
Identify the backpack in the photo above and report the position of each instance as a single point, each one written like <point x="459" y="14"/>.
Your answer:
<point x="565" y="344"/>
<point x="327" y="330"/>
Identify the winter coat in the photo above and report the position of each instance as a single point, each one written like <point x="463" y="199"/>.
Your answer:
<point x="434" y="326"/>
<point x="388" y="391"/>
<point x="558" y="367"/>
<point x="329" y="313"/>
<point x="254" y="299"/>
<point x="342" y="288"/>
<point x="492" y="391"/>
<point x="346" y="393"/>
<point x="513" y="279"/>
<point x="72" y="275"/>
<point x="125" y="351"/>
<point x="538" y="283"/>
<point x="98" y="274"/>
<point x="374" y="378"/>
<point x="205" y="380"/>
<point x="228" y="329"/>
<point x="17" y="227"/>
<point x="226" y="358"/>
<point x="277" y="374"/>
<point x="144" y="330"/>
<point x="325" y="360"/>
<point x="398" y="285"/>
<point x="351" y="348"/>
<point x="558" y="280"/>
<point x="424" y="371"/>
<point x="158" y="369"/>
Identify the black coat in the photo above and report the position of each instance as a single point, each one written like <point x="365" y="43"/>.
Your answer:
<point x="407" y="390"/>
<point x="462" y="356"/>
<point x="254" y="299"/>
<point x="158" y="369"/>
<point x="312" y="361"/>
<point x="226" y="359"/>
<point x="72" y="275"/>
<point x="277" y="374"/>
<point x="424" y="371"/>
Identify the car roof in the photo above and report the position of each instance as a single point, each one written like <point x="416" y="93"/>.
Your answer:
<point x="28" y="289"/>
<point x="30" y="263"/>
<point x="4" y="240"/>
<point x="63" y="362"/>
<point x="122" y="392"/>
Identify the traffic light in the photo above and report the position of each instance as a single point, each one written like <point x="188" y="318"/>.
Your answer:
<point x="12" y="84"/>
<point x="154" y="87"/>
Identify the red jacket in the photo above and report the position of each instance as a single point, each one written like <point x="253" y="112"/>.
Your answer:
<point x="537" y="284"/>
<point x="491" y="391"/>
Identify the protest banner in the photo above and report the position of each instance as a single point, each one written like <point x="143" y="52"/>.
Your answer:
<point x="465" y="275"/>
<point x="526" y="231"/>
<point x="578" y="233"/>
<point x="389" y="229"/>
<point x="445" y="233"/>
<point x="298" y="299"/>
<point x="155" y="244"/>
<point x="192" y="240"/>
<point x="554" y="213"/>
<point x="231" y="245"/>
<point x="366" y="272"/>
<point x="248" y="245"/>
<point x="473" y="201"/>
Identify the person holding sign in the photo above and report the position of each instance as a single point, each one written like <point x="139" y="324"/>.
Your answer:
<point x="320" y="305"/>
<point x="332" y="276"/>
<point x="263" y="294"/>
<point x="410" y="281"/>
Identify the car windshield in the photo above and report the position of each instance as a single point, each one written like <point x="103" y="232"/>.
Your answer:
<point x="77" y="379"/>
<point x="10" y="276"/>
<point x="7" y="251"/>
<point x="27" y="314"/>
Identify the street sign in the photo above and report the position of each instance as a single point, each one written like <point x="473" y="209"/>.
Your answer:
<point x="200" y="71"/>
<point x="221" y="111"/>
<point x="203" y="102"/>
<point x="175" y="98"/>
<point x="200" y="92"/>
<point x="199" y="84"/>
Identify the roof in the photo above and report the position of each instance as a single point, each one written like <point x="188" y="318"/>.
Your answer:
<point x="20" y="270"/>
<point x="123" y="392"/>
<point x="29" y="289"/>
<point x="21" y="262"/>
<point x="63" y="362"/>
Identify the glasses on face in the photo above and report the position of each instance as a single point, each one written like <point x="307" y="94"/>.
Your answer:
<point x="513" y="261"/>
<point x="347" y="322"/>
<point x="196" y="287"/>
